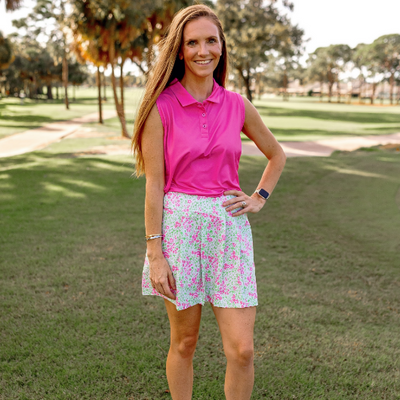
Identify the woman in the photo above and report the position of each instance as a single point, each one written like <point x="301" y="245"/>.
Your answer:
<point x="199" y="243"/>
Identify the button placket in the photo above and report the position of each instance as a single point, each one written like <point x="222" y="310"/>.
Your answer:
<point x="203" y="121"/>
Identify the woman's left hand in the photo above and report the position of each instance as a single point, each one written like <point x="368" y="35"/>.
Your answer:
<point x="252" y="204"/>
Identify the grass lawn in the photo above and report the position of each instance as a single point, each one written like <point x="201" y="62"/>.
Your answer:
<point x="307" y="119"/>
<point x="75" y="326"/>
<point x="15" y="118"/>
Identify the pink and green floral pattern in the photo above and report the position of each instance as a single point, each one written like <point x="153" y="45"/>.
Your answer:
<point x="209" y="251"/>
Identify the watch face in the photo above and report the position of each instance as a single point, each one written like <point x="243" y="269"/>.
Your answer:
<point x="264" y="193"/>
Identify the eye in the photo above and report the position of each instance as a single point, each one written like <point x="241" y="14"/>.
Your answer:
<point x="191" y="42"/>
<point x="212" y="40"/>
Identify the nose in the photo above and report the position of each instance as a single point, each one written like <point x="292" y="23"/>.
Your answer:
<point x="203" y="51"/>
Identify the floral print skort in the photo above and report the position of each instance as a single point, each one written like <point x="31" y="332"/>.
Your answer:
<point x="210" y="253"/>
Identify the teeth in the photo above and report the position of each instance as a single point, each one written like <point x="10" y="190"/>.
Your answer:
<point x="203" y="62"/>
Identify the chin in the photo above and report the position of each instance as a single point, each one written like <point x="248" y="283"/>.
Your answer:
<point x="203" y="72"/>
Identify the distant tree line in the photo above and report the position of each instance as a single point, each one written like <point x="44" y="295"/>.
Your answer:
<point x="264" y="47"/>
<point x="376" y="63"/>
<point x="35" y="71"/>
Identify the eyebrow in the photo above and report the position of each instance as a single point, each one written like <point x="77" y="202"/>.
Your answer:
<point x="210" y="37"/>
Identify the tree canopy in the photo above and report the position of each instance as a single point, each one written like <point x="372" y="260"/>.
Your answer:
<point x="254" y="31"/>
<point x="6" y="52"/>
<point x="326" y="63"/>
<point x="385" y="52"/>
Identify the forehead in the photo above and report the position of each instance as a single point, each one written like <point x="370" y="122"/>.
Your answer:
<point x="201" y="27"/>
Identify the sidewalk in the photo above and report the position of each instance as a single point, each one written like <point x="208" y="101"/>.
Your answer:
<point x="324" y="148"/>
<point x="38" y="138"/>
<point x="35" y="139"/>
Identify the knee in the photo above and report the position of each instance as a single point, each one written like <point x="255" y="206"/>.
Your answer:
<point x="241" y="354"/>
<point x="186" y="346"/>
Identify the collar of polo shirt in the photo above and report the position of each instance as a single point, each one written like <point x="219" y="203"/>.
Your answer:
<point x="186" y="99"/>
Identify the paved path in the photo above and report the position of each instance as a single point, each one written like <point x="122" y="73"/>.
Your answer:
<point x="325" y="147"/>
<point x="38" y="138"/>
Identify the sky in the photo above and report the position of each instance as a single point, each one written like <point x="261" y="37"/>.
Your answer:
<point x="345" y="21"/>
<point x="324" y="22"/>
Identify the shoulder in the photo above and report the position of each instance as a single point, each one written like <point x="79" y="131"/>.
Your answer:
<point x="167" y="94"/>
<point x="230" y="95"/>
<point x="153" y="121"/>
<point x="236" y="98"/>
<point x="250" y="111"/>
<point x="235" y="102"/>
<point x="166" y="103"/>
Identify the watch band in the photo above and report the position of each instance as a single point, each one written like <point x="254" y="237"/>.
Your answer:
<point x="262" y="193"/>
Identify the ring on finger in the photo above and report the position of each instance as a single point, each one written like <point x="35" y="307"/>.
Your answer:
<point x="244" y="204"/>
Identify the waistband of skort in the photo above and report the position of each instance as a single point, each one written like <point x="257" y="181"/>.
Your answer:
<point x="194" y="202"/>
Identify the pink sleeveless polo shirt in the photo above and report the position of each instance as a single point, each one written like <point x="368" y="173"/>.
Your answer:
<point x="202" y="144"/>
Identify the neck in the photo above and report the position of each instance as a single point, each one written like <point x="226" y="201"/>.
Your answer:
<point x="199" y="88"/>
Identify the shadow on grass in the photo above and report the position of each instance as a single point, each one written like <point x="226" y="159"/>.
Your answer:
<point x="29" y="119"/>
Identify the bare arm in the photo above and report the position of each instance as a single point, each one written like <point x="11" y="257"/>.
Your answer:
<point x="255" y="129"/>
<point x="153" y="153"/>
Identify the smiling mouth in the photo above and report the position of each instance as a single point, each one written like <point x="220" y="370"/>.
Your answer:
<point x="205" y="62"/>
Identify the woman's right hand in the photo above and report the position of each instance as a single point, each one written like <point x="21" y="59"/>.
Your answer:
<point x="161" y="276"/>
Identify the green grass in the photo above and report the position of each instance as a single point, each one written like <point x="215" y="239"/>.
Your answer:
<point x="71" y="147"/>
<point x="75" y="326"/>
<point x="307" y="119"/>
<point x="16" y="118"/>
<point x="112" y="125"/>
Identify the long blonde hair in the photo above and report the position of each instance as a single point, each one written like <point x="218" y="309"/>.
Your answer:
<point x="169" y="66"/>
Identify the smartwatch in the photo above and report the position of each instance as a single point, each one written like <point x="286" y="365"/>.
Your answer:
<point x="263" y="193"/>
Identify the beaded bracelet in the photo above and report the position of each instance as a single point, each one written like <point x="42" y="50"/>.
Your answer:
<point x="154" y="236"/>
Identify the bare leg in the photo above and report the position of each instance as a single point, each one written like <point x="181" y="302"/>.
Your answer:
<point x="184" y="334"/>
<point x="237" y="326"/>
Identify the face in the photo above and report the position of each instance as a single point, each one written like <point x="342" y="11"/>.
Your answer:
<point x="201" y="47"/>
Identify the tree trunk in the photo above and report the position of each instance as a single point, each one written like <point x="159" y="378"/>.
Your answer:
<point x="285" y="86"/>
<point x="246" y="80"/>
<point x="330" y="91"/>
<point x="338" y="90"/>
<point x="398" y="95"/>
<point x="391" y="82"/>
<point x="118" y="106"/>
<point x="121" y="85"/>
<point x="374" y="85"/>
<point x="73" y="93"/>
<point x="104" y="86"/>
<point x="49" y="92"/>
<point x="30" y="91"/>
<point x="65" y="79"/>
<point x="57" y="94"/>
<point x="321" y="89"/>
<point x="99" y="95"/>
<point x="331" y="81"/>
